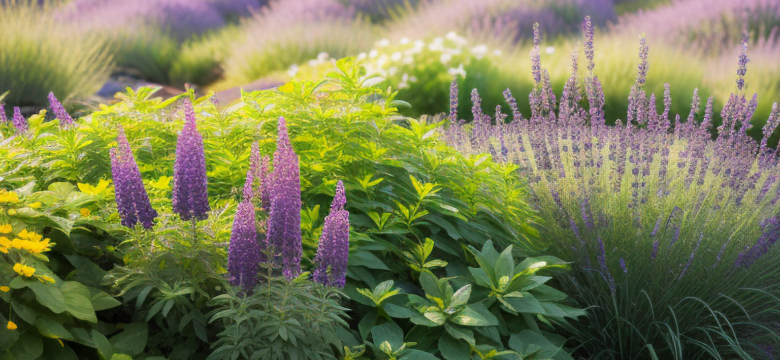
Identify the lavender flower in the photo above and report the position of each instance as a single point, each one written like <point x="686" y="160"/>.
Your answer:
<point x="20" y="123"/>
<point x="454" y="100"/>
<point x="190" y="189"/>
<point x="59" y="111"/>
<point x="623" y="266"/>
<point x="132" y="200"/>
<point x="602" y="257"/>
<point x="244" y="253"/>
<point x="284" y="224"/>
<point x="333" y="251"/>
<point x="3" y="118"/>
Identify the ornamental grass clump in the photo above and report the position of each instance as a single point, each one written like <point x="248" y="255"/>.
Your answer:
<point x="671" y="232"/>
<point x="39" y="55"/>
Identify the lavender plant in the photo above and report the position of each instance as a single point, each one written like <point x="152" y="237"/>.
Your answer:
<point x="333" y="250"/>
<point x="190" y="189"/>
<point x="59" y="111"/>
<point x="672" y="232"/>
<point x="132" y="201"/>
<point x="244" y="255"/>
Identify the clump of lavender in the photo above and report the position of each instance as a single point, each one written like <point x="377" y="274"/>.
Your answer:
<point x="132" y="200"/>
<point x="244" y="253"/>
<point x="656" y="189"/>
<point x="333" y="250"/>
<point x="190" y="189"/>
<point x="19" y="122"/>
<point x="284" y="222"/>
<point x="59" y="111"/>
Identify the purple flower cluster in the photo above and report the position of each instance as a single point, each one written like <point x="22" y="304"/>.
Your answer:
<point x="3" y="118"/>
<point x="284" y="223"/>
<point x="19" y="122"/>
<point x="59" y="111"/>
<point x="190" y="189"/>
<point x="244" y="253"/>
<point x="131" y="197"/>
<point x="333" y="251"/>
<point x="659" y="178"/>
<point x="259" y="168"/>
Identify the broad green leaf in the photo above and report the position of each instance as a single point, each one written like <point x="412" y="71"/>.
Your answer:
<point x="430" y="284"/>
<point x="525" y="304"/>
<point x="505" y="264"/>
<point x="77" y="301"/>
<point x="48" y="295"/>
<point x="475" y="315"/>
<point x="367" y="259"/>
<point x="29" y="346"/>
<point x="52" y="329"/>
<point x="389" y="332"/>
<point x="102" y="301"/>
<point x="460" y="333"/>
<point x="413" y="354"/>
<point x="121" y="357"/>
<point x="461" y="297"/>
<point x="132" y="340"/>
<point x="482" y="278"/>
<point x="453" y="349"/>
<point x="104" y="348"/>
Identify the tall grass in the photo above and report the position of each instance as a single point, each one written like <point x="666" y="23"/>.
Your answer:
<point x="672" y="232"/>
<point x="39" y="55"/>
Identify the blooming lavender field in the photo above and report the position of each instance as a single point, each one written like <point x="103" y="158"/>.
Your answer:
<point x="363" y="179"/>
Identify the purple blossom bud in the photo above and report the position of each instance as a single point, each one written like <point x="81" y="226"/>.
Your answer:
<point x="690" y="259"/>
<point x="623" y="266"/>
<point x="244" y="253"/>
<point x="20" y="123"/>
<point x="742" y="64"/>
<point x="454" y="100"/>
<point x="132" y="200"/>
<point x="3" y="118"/>
<point x="59" y="111"/>
<point x="284" y="223"/>
<point x="604" y="269"/>
<point x="333" y="250"/>
<point x="536" y="60"/>
<point x="190" y="189"/>
<point x="641" y="74"/>
<point x="587" y="29"/>
<point x="516" y="116"/>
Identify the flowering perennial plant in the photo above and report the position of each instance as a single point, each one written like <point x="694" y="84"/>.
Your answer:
<point x="654" y="195"/>
<point x="244" y="254"/>
<point x="284" y="222"/>
<point x="19" y="122"/>
<point x="190" y="189"/>
<point x="132" y="200"/>
<point x="333" y="251"/>
<point x="59" y="111"/>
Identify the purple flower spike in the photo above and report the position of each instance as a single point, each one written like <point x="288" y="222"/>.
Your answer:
<point x="131" y="197"/>
<point x="454" y="100"/>
<point x="3" y="119"/>
<point x="284" y="223"/>
<point x="244" y="254"/>
<point x="623" y="266"/>
<point x="20" y="123"/>
<point x="190" y="189"/>
<point x="333" y="251"/>
<point x="59" y="111"/>
<point x="604" y="269"/>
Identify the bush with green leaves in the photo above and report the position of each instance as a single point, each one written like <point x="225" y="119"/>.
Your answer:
<point x="40" y="55"/>
<point x="403" y="186"/>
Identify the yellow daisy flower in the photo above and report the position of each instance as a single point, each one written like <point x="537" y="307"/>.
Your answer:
<point x="8" y="197"/>
<point x="6" y="229"/>
<point x="11" y="325"/>
<point x="4" y="289"/>
<point x="24" y="270"/>
<point x="12" y="212"/>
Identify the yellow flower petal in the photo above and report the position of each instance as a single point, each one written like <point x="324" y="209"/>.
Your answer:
<point x="11" y="325"/>
<point x="24" y="270"/>
<point x="34" y="205"/>
<point x="6" y="229"/>
<point x="85" y="212"/>
<point x="4" y="289"/>
<point x="11" y="212"/>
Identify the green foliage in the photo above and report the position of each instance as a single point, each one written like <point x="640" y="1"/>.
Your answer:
<point x="493" y="313"/>
<point x="282" y="319"/>
<point x="39" y="55"/>
<point x="199" y="60"/>
<point x="49" y="285"/>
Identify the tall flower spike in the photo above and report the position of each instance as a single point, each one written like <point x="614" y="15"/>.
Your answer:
<point x="59" y="111"/>
<point x="454" y="100"/>
<point x="3" y="118"/>
<point x="244" y="253"/>
<point x="602" y="258"/>
<point x="641" y="75"/>
<point x="333" y="250"/>
<point x="742" y="63"/>
<point x="190" y="189"/>
<point x="132" y="200"/>
<point x="587" y="28"/>
<point x="20" y="123"/>
<point x="536" y="60"/>
<point x="284" y="222"/>
<point x="265" y="184"/>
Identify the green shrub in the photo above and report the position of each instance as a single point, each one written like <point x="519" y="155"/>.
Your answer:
<point x="40" y="55"/>
<point x="200" y="60"/>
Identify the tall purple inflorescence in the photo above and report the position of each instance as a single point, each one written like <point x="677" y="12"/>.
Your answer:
<point x="59" y="111"/>
<point x="284" y="223"/>
<point x="131" y="198"/>
<point x="244" y="254"/>
<point x="3" y="118"/>
<point x="333" y="251"/>
<point x="190" y="189"/>
<point x="19" y="122"/>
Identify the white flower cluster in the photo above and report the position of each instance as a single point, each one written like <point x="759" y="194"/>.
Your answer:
<point x="398" y="60"/>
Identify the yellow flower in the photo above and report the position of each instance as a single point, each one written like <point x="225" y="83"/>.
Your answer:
<point x="24" y="270"/>
<point x="6" y="229"/>
<point x="32" y="236"/>
<point x="34" y="205"/>
<point x="12" y="212"/>
<point x="61" y="344"/>
<point x="46" y="279"/>
<point x="4" y="289"/>
<point x="11" y="325"/>
<point x="8" y="197"/>
<point x="85" y="212"/>
<point x="94" y="190"/>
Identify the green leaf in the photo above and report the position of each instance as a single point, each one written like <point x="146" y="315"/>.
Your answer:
<point x="413" y="354"/>
<point x="528" y="341"/>
<point x="133" y="339"/>
<point x="481" y="277"/>
<point x="48" y="295"/>
<point x="28" y="347"/>
<point x="453" y="349"/>
<point x="475" y="315"/>
<point x="52" y="329"/>
<point x="461" y="297"/>
<point x="104" y="348"/>
<point x="430" y="284"/>
<point x="525" y="304"/>
<point x="389" y="332"/>
<point x="77" y="301"/>
<point x="460" y="333"/>
<point x="121" y="357"/>
<point x="505" y="265"/>
<point x="102" y="301"/>
<point x="398" y="311"/>
<point x="366" y="323"/>
<point x="367" y="259"/>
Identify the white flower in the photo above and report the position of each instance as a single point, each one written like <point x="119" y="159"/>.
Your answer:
<point x="445" y="58"/>
<point x="550" y="50"/>
<point x="419" y="44"/>
<point x="391" y="71"/>
<point x="408" y="60"/>
<point x="497" y="52"/>
<point x="293" y="70"/>
<point x="362" y="56"/>
<point x="405" y="77"/>
<point x="384" y="42"/>
<point x="396" y="56"/>
<point x="459" y="71"/>
<point x="479" y="51"/>
<point x="403" y="85"/>
<point x="413" y="78"/>
<point x="452" y="36"/>
<point x="322" y="56"/>
<point x="404" y="41"/>
<point x="373" y="53"/>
